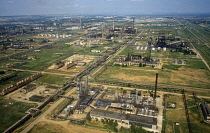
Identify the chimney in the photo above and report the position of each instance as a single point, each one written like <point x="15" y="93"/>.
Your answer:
<point x="156" y="86"/>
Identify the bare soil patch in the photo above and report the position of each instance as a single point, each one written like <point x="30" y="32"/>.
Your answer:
<point x="62" y="127"/>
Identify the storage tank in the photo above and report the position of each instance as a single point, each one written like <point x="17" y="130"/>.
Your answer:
<point x="164" y="49"/>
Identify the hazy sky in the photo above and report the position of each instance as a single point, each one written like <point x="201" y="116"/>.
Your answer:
<point x="117" y="7"/>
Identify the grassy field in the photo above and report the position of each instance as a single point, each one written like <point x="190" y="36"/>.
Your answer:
<point x="52" y="79"/>
<point x="47" y="57"/>
<point x="63" y="127"/>
<point x="169" y="125"/>
<point x="20" y="76"/>
<point x="183" y="76"/>
<point x="193" y="74"/>
<point x="196" y="121"/>
<point x="44" y="127"/>
<point x="197" y="124"/>
<point x="199" y="38"/>
<point x="12" y="111"/>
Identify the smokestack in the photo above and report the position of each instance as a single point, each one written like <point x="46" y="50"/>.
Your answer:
<point x="156" y="86"/>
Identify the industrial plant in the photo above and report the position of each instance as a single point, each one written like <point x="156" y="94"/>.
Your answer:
<point x="125" y="107"/>
<point x="106" y="73"/>
<point x="137" y="60"/>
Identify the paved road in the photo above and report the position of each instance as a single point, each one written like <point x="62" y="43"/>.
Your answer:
<point x="52" y="107"/>
<point x="121" y="49"/>
<point x="109" y="60"/>
<point x="159" y="104"/>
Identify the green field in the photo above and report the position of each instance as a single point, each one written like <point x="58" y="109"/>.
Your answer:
<point x="183" y="76"/>
<point x="169" y="121"/>
<point x="47" y="57"/>
<point x="20" y="76"/>
<point x="52" y="79"/>
<point x="196" y="119"/>
<point x="12" y="111"/>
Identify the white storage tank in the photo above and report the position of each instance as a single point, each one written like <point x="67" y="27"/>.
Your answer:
<point x="164" y="49"/>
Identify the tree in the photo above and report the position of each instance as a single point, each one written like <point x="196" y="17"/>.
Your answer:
<point x="88" y="118"/>
<point x="137" y="129"/>
<point x="140" y="64"/>
<point x="103" y="121"/>
<point x="44" y="41"/>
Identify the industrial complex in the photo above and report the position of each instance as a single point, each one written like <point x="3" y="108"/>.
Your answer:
<point x="107" y="73"/>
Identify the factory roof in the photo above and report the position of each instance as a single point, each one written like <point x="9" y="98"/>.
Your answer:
<point x="120" y="116"/>
<point x="108" y="114"/>
<point x="142" y="119"/>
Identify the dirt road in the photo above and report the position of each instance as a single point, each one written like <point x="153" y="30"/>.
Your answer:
<point x="41" y="117"/>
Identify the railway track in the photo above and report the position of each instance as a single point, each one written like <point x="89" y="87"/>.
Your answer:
<point x="204" y="55"/>
<point x="201" y="53"/>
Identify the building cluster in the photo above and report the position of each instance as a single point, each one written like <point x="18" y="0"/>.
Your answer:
<point x="73" y="61"/>
<point x="28" y="88"/>
<point x="74" y="28"/>
<point x="54" y="35"/>
<point x="178" y="62"/>
<point x="125" y="120"/>
<point x="137" y="60"/>
<point x="126" y="108"/>
<point x="85" y="95"/>
<point x="142" y="48"/>
<point x="21" y="83"/>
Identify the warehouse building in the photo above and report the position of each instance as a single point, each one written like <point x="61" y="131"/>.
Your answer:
<point x="125" y="120"/>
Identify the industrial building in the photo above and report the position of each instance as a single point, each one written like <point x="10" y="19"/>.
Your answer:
<point x="136" y="60"/>
<point x="206" y="111"/>
<point x="126" y="107"/>
<point x="179" y="62"/>
<point x="28" y="88"/>
<point x="125" y="120"/>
